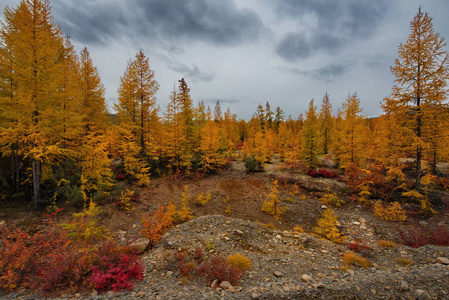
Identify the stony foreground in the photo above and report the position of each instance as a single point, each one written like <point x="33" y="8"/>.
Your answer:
<point x="285" y="265"/>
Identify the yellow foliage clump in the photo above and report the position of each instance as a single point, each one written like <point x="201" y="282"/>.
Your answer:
<point x="332" y="198"/>
<point x="386" y="244"/>
<point x="389" y="212"/>
<point x="350" y="258"/>
<point x="202" y="199"/>
<point x="298" y="229"/>
<point x="185" y="213"/>
<point x="240" y="262"/>
<point x="327" y="227"/>
<point x="84" y="226"/>
<point x="125" y="200"/>
<point x="272" y="205"/>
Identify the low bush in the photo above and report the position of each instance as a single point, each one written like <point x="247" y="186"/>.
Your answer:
<point x="253" y="165"/>
<point x="386" y="244"/>
<point x="156" y="225"/>
<point x="115" y="275"/>
<point x="350" y="259"/>
<point x="389" y="211"/>
<point x="323" y="173"/>
<point x="419" y="236"/>
<point x="327" y="227"/>
<point x="55" y="260"/>
<point x="217" y="267"/>
<point x="332" y="199"/>
<point x="240" y="262"/>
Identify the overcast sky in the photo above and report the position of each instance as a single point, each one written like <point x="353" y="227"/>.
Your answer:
<point x="246" y="52"/>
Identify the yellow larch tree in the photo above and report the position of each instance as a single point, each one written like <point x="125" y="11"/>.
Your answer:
<point x="34" y="42"/>
<point x="420" y="91"/>
<point x="310" y="137"/>
<point x="352" y="131"/>
<point x="325" y="124"/>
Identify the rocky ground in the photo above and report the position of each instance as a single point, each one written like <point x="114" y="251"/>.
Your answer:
<point x="286" y="264"/>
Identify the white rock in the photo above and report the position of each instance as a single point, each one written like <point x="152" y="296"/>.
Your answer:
<point x="306" y="278"/>
<point x="442" y="260"/>
<point x="140" y="245"/>
<point x="278" y="274"/>
<point x="226" y="285"/>
<point x="404" y="286"/>
<point x="421" y="294"/>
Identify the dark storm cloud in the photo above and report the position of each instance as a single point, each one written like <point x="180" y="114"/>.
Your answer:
<point x="217" y="22"/>
<point x="90" y="22"/>
<point x="193" y="72"/>
<point x="338" y="23"/>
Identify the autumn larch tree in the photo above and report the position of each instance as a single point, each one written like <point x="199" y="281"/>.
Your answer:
<point x="326" y="122"/>
<point x="94" y="108"/>
<point x="34" y="42"/>
<point x="421" y="73"/>
<point x="350" y="147"/>
<point x="309" y="150"/>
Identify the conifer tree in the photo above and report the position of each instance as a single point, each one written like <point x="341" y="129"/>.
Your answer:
<point x="137" y="98"/>
<point x="421" y="73"/>
<point x="326" y="122"/>
<point x="34" y="42"/>
<point x="309" y="151"/>
<point x="352" y="131"/>
<point x="93" y="106"/>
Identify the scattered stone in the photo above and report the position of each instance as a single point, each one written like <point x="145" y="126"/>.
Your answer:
<point x="350" y="272"/>
<point x="255" y="296"/>
<point x="306" y="278"/>
<point x="278" y="274"/>
<point x="214" y="284"/>
<point x="423" y="223"/>
<point x="140" y="245"/>
<point x="77" y="295"/>
<point x="141" y="294"/>
<point x="134" y="226"/>
<point x="226" y="285"/>
<point x="323" y="206"/>
<point x="373" y="291"/>
<point x="2" y="224"/>
<point x="356" y="223"/>
<point x="238" y="231"/>
<point x="422" y="295"/>
<point x="404" y="286"/>
<point x="94" y="293"/>
<point x="169" y="273"/>
<point x="278" y="236"/>
<point x="442" y="260"/>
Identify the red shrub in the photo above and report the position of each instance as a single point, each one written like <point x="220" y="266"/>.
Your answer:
<point x="420" y="236"/>
<point x="218" y="268"/>
<point x="358" y="245"/>
<point x="15" y="258"/>
<point x="116" y="275"/>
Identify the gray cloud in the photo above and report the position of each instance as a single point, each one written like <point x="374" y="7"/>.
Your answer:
<point x="327" y="73"/>
<point x="338" y="23"/>
<point x="217" y="22"/>
<point x="192" y="73"/>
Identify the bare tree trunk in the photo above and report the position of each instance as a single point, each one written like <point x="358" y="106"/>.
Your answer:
<point x="36" y="181"/>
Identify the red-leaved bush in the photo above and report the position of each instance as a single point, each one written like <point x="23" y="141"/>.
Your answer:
<point x="420" y="236"/>
<point x="51" y="262"/>
<point x="217" y="267"/>
<point x="323" y="173"/>
<point x="116" y="275"/>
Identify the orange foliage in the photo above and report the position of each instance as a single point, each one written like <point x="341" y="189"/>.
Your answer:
<point x="155" y="226"/>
